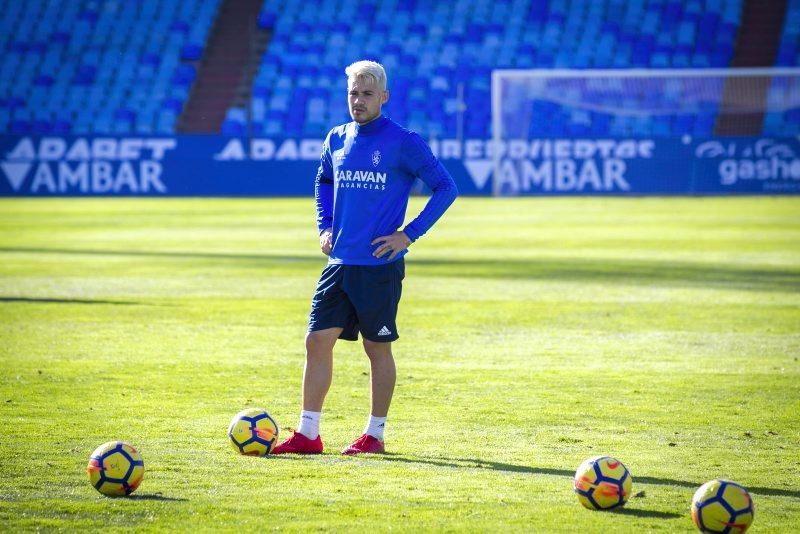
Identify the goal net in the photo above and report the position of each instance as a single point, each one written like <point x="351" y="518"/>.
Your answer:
<point x="551" y="111"/>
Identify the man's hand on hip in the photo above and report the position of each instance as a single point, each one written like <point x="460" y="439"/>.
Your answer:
<point x="325" y="239"/>
<point x="393" y="244"/>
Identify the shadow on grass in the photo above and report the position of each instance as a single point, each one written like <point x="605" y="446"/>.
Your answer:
<point x="154" y="497"/>
<point x="67" y="301"/>
<point x="665" y="273"/>
<point x="638" y="512"/>
<point x="633" y="272"/>
<point x="222" y="256"/>
<point x="474" y="463"/>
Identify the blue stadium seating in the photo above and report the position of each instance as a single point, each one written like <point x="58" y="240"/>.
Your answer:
<point x="789" y="50"/>
<point x="784" y="94"/>
<point x="83" y="66"/>
<point x="439" y="56"/>
<point x="128" y="66"/>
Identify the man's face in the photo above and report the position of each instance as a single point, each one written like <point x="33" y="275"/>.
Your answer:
<point x="365" y="99"/>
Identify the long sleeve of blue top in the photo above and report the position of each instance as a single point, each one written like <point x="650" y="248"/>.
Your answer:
<point x="421" y="162"/>
<point x="323" y="189"/>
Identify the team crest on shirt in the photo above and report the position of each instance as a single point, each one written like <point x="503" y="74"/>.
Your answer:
<point x="376" y="158"/>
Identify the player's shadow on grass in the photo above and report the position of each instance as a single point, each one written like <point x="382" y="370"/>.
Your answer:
<point x="154" y="497"/>
<point x="638" y="512"/>
<point x="35" y="300"/>
<point x="474" y="463"/>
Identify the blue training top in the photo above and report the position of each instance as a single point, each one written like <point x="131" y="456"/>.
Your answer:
<point x="363" y="183"/>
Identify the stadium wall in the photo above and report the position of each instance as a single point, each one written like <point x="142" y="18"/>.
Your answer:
<point x="197" y="165"/>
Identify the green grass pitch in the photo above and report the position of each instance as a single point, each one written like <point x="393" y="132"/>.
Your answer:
<point x="535" y="333"/>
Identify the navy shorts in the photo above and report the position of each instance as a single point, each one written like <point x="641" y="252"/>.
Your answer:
<point x="359" y="298"/>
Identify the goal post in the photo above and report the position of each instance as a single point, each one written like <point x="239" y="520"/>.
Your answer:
<point x="546" y="121"/>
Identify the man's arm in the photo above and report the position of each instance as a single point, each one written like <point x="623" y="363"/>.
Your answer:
<point x="420" y="161"/>
<point x="430" y="170"/>
<point x="323" y="197"/>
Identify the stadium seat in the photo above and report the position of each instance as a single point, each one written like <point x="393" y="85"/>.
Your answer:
<point x="191" y="52"/>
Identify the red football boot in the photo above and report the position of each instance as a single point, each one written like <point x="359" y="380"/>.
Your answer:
<point x="365" y="444"/>
<point x="299" y="444"/>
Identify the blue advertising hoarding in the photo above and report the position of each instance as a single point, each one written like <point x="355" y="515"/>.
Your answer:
<point x="196" y="165"/>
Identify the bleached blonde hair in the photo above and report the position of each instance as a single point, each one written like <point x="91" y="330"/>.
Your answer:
<point x="366" y="70"/>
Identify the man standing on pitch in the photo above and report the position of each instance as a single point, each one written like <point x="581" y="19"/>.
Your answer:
<point x="362" y="188"/>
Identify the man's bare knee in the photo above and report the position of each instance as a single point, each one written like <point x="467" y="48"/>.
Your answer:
<point x="377" y="350"/>
<point x="321" y="341"/>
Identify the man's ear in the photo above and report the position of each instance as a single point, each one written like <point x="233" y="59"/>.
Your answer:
<point x="385" y="97"/>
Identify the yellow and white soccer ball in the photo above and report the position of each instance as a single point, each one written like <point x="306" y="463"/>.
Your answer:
<point x="115" y="468"/>
<point x="253" y="432"/>
<point x="602" y="483"/>
<point x="722" y="506"/>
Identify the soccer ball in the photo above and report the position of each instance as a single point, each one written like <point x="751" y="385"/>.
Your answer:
<point x="722" y="506"/>
<point x="602" y="483"/>
<point x="253" y="432"/>
<point x="115" y="468"/>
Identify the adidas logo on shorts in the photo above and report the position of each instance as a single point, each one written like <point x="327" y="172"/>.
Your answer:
<point x="384" y="332"/>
